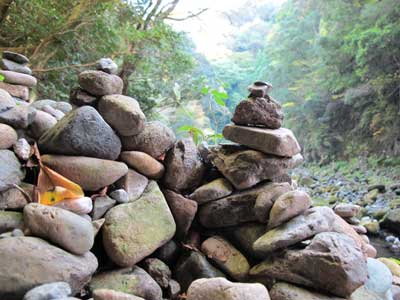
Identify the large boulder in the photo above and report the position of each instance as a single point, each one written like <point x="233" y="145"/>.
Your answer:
<point x="59" y="226"/>
<point x="155" y="139"/>
<point x="313" y="221"/>
<point x="223" y="289"/>
<point x="134" y="230"/>
<point x="90" y="173"/>
<point x="280" y="142"/>
<point x="123" y="113"/>
<point x="258" y="111"/>
<point x="128" y="280"/>
<point x="184" y="168"/>
<point x="99" y="83"/>
<point x="11" y="172"/>
<point x="47" y="263"/>
<point x="82" y="132"/>
<point x="245" y="168"/>
<point x="332" y="262"/>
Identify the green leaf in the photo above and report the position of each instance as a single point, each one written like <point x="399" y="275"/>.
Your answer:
<point x="2" y="77"/>
<point x="185" y="128"/>
<point x="289" y="104"/>
<point x="205" y="90"/>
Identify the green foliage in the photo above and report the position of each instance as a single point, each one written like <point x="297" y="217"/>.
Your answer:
<point x="2" y="77"/>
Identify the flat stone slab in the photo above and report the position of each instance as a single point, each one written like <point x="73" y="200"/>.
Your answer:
<point x="281" y="142"/>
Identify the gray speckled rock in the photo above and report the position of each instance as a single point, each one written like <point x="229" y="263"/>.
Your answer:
<point x="134" y="230"/>
<point x="107" y="65"/>
<point x="10" y="65"/>
<point x="49" y="291"/>
<point x="62" y="227"/>
<point x="128" y="280"/>
<point x="19" y="117"/>
<point x="6" y="101"/>
<point x="11" y="171"/>
<point x="99" y="83"/>
<point x="82" y="132"/>
<point x="123" y="113"/>
<point x="8" y="136"/>
<point x="47" y="263"/>
<point x="155" y="139"/>
<point x="41" y="123"/>
<point x="65" y="107"/>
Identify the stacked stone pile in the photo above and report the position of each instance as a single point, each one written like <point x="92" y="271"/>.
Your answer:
<point x="166" y="219"/>
<point x="17" y="75"/>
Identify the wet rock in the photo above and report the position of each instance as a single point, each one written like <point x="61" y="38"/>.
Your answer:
<point x="107" y="294"/>
<point x="347" y="210"/>
<point x="14" y="198"/>
<point x="280" y="142"/>
<point x="245" y="168"/>
<point x="41" y="123"/>
<point x="47" y="263"/>
<point x="49" y="291"/>
<point x="123" y="113"/>
<point x="213" y="190"/>
<point x="313" y="221"/>
<point x="133" y="183"/>
<point x="99" y="83"/>
<point x="392" y="220"/>
<point x="183" y="209"/>
<point x="90" y="173"/>
<point x="8" y="136"/>
<point x="128" y="280"/>
<point x="107" y="65"/>
<point x="288" y="206"/>
<point x="379" y="283"/>
<point x="15" y="57"/>
<point x="11" y="172"/>
<point x="6" y="101"/>
<point x="143" y="163"/>
<point x="79" y="97"/>
<point x="101" y="205"/>
<point x="287" y="291"/>
<point x="220" y="288"/>
<point x="184" y="168"/>
<point x="134" y="230"/>
<point x="266" y="199"/>
<point x="19" y="91"/>
<point x="332" y="263"/>
<point x="232" y="210"/>
<point x="10" y="220"/>
<point x="81" y="132"/>
<point x="59" y="226"/>
<point x="158" y="270"/>
<point x="226" y="257"/>
<point x="10" y="65"/>
<point x="155" y="139"/>
<point x="18" y="78"/>
<point x="193" y="266"/>
<point x="18" y="117"/>
<point x="258" y="111"/>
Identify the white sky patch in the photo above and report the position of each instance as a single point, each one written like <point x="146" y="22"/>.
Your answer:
<point x="211" y="30"/>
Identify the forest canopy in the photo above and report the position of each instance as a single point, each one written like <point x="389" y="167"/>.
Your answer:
<point x="334" y="65"/>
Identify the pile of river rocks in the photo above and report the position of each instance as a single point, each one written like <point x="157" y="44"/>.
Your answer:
<point x="164" y="218"/>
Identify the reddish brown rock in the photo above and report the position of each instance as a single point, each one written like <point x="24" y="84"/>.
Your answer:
<point x="213" y="190"/>
<point x="99" y="83"/>
<point x="257" y="111"/>
<point x="80" y="97"/>
<point x="143" y="163"/>
<point x="18" y="91"/>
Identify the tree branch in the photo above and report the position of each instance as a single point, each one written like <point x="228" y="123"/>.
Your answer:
<point x="64" y="67"/>
<point x="193" y="15"/>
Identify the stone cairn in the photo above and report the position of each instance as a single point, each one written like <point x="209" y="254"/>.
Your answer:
<point x="162" y="218"/>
